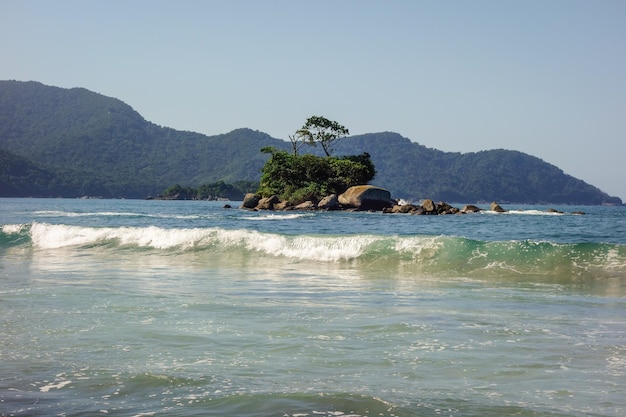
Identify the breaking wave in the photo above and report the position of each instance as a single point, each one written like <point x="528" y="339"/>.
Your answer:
<point x="433" y="254"/>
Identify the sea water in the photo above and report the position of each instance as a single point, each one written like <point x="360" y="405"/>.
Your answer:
<point x="186" y="308"/>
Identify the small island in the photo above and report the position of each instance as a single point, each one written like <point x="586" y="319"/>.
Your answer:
<point x="291" y="181"/>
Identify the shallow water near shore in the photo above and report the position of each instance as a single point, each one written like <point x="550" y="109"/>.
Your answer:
<point x="139" y="308"/>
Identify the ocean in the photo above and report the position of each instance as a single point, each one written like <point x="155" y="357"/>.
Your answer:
<point x="188" y="308"/>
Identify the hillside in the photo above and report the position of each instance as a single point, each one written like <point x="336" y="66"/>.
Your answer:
<point x="414" y="170"/>
<point x="108" y="142"/>
<point x="74" y="142"/>
<point x="21" y="178"/>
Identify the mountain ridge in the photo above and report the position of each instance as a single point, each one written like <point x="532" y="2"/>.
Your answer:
<point x="98" y="145"/>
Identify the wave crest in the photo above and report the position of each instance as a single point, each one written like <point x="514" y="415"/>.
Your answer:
<point x="433" y="254"/>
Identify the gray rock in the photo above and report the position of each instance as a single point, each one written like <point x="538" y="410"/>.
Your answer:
<point x="366" y="197"/>
<point x="283" y="205"/>
<point x="496" y="207"/>
<point x="307" y="205"/>
<point x="330" y="202"/>
<point x="469" y="208"/>
<point x="428" y="206"/>
<point x="250" y="201"/>
<point x="268" y="203"/>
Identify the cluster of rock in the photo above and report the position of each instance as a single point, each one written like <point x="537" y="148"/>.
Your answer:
<point x="429" y="207"/>
<point x="367" y="198"/>
<point x="359" y="198"/>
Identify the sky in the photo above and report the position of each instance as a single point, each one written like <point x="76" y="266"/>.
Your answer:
<point x="547" y="78"/>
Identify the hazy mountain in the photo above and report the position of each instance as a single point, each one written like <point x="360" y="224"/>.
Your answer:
<point x="412" y="170"/>
<point x="73" y="142"/>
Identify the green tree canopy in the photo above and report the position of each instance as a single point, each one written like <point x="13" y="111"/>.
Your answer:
<point x="318" y="129"/>
<point x="299" y="178"/>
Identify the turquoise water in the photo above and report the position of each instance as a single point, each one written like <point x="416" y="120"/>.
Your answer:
<point x="155" y="308"/>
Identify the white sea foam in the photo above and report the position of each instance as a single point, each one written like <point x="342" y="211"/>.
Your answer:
<point x="417" y="245"/>
<point x="11" y="229"/>
<point x="326" y="249"/>
<point x="432" y="251"/>
<point x="56" y="213"/>
<point x="529" y="212"/>
<point x="48" y="236"/>
<point x="333" y="248"/>
<point x="536" y="212"/>
<point x="273" y="216"/>
<point x="303" y="247"/>
<point x="55" y="385"/>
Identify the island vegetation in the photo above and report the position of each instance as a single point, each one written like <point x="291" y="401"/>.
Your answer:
<point x="213" y="191"/>
<point x="298" y="178"/>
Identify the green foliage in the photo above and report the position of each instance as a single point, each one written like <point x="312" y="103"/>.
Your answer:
<point x="352" y="170"/>
<point x="412" y="171"/>
<point x="318" y="129"/>
<point x="299" y="178"/>
<point x="179" y="192"/>
<point x="220" y="189"/>
<point x="212" y="191"/>
<point x="20" y="177"/>
<point x="108" y="149"/>
<point x="245" y="187"/>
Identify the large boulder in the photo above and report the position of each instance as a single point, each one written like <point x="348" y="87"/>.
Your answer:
<point x="250" y="201"/>
<point x="429" y="206"/>
<point x="366" y="197"/>
<point x="330" y="202"/>
<point x="268" y="203"/>
<point x="283" y="205"/>
<point x="307" y="205"/>
<point x="445" y="208"/>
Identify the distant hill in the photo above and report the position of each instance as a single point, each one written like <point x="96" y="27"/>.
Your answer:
<point x="74" y="142"/>
<point x="19" y="177"/>
<point x="411" y="169"/>
<point x="106" y="141"/>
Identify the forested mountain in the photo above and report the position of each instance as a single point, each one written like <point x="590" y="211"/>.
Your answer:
<point x="19" y="177"/>
<point x="73" y="142"/>
<point x="413" y="170"/>
<point x="104" y="140"/>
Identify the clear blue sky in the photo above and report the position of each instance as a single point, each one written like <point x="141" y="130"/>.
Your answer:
<point x="543" y="77"/>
